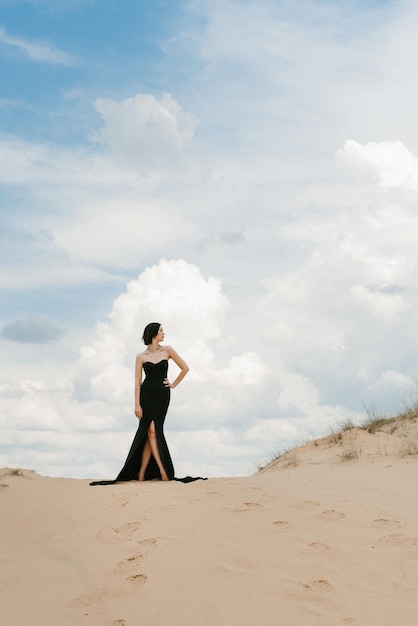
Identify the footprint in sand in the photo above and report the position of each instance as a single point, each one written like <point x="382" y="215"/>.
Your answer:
<point x="399" y="540"/>
<point x="150" y="541"/>
<point x="247" y="506"/>
<point x="119" y="622"/>
<point x="318" y="586"/>
<point x="332" y="514"/>
<point x="129" y="562"/>
<point x="283" y="524"/>
<point x="317" y="546"/>
<point x="134" y="560"/>
<point x="127" y="530"/>
<point x="138" y="579"/>
<point x="128" y="567"/>
<point x="214" y="495"/>
<point x="124" y="531"/>
<point x="114" y="591"/>
<point x="390" y="524"/>
<point x="98" y="596"/>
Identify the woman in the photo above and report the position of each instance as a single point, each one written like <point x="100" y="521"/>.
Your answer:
<point x="149" y="456"/>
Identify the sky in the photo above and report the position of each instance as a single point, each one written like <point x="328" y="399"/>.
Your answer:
<point x="244" y="172"/>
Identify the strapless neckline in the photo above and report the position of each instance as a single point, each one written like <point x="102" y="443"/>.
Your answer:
<point x="157" y="363"/>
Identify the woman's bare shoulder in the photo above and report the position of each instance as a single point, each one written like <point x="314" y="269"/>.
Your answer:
<point x="172" y="354"/>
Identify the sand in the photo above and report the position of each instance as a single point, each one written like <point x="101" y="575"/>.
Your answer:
<point x="326" y="535"/>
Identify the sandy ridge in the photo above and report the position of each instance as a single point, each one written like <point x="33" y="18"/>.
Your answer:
<point x="310" y="540"/>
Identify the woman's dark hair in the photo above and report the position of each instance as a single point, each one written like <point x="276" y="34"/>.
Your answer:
<point x="150" y="331"/>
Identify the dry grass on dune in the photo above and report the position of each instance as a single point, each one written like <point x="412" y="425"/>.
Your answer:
<point x="377" y="435"/>
<point x="10" y="471"/>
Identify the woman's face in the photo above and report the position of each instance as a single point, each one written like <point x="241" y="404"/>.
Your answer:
<point x="160" y="334"/>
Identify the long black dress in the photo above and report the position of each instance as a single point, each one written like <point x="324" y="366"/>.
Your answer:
<point x="154" y="399"/>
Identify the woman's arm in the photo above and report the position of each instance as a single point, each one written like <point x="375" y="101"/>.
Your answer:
<point x="184" y="368"/>
<point x="138" y="381"/>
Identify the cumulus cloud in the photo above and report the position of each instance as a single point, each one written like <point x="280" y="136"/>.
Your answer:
<point x="145" y="131"/>
<point x="246" y="369"/>
<point x="391" y="163"/>
<point x="32" y="329"/>
<point x="104" y="217"/>
<point x="336" y="315"/>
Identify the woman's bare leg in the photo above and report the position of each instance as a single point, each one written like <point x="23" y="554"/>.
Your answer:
<point x="152" y="438"/>
<point x="146" y="456"/>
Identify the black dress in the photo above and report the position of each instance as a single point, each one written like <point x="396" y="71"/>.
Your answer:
<point x="154" y="399"/>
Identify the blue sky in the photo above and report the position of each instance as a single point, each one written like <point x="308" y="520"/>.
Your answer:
<point x="244" y="172"/>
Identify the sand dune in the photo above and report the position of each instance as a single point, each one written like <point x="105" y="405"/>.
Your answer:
<point x="325" y="535"/>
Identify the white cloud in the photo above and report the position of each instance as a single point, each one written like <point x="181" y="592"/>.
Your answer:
<point x="391" y="163"/>
<point x="335" y="316"/>
<point x="117" y="232"/>
<point x="385" y="307"/>
<point x="36" y="50"/>
<point x="31" y="163"/>
<point x="298" y="392"/>
<point x="246" y="369"/>
<point x="190" y="306"/>
<point x="147" y="132"/>
<point x="88" y="216"/>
